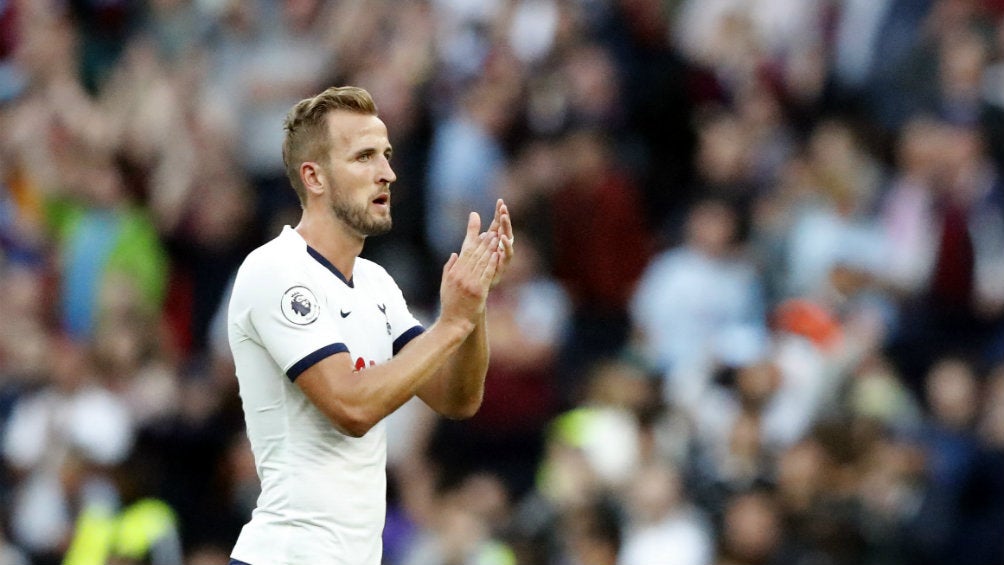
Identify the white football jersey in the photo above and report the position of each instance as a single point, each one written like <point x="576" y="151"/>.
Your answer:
<point x="323" y="493"/>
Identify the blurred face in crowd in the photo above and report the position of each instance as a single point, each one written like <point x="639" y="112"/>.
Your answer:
<point x="952" y="393"/>
<point x="655" y="492"/>
<point x="722" y="149"/>
<point x="752" y="530"/>
<point x="358" y="172"/>
<point x="800" y="474"/>
<point x="299" y="14"/>
<point x="962" y="59"/>
<point x="711" y="228"/>
<point x="919" y="147"/>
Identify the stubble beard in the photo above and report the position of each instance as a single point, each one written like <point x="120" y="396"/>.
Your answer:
<point x="358" y="218"/>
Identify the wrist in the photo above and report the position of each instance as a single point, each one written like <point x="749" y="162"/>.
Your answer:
<point x="455" y="328"/>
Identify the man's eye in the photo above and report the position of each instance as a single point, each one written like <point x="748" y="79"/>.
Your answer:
<point x="364" y="157"/>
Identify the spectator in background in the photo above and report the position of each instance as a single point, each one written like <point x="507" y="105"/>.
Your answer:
<point x="855" y="46"/>
<point x="56" y="438"/>
<point x="24" y="337"/>
<point x="752" y="532"/>
<point x="601" y="244"/>
<point x="591" y="535"/>
<point x="690" y="297"/>
<point x="891" y="489"/>
<point x="659" y="91"/>
<point x="958" y="307"/>
<point x="906" y="211"/>
<point x="105" y="28"/>
<point x="880" y="72"/>
<point x="723" y="160"/>
<point x="831" y="223"/>
<point x="664" y="526"/>
<point x="134" y="527"/>
<point x="987" y="493"/>
<point x="951" y="451"/>
<point x="466" y="529"/>
<point x="528" y="313"/>
<point x="780" y="28"/>
<point x="962" y="56"/>
<point x="466" y="161"/>
<point x="279" y="67"/>
<point x="178" y="28"/>
<point x="102" y="237"/>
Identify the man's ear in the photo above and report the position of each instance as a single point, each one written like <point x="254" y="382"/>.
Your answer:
<point x="312" y="176"/>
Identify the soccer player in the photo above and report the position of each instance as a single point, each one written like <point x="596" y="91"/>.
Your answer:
<point x="325" y="346"/>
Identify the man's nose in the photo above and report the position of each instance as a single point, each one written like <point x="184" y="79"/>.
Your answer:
<point x="387" y="172"/>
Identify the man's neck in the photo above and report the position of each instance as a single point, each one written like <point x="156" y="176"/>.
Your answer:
<point x="333" y="240"/>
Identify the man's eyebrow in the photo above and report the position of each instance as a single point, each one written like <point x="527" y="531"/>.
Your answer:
<point x="373" y="149"/>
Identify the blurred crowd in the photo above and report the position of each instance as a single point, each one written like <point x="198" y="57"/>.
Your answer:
<point x="756" y="315"/>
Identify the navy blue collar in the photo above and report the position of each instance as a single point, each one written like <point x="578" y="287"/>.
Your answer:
<point x="327" y="265"/>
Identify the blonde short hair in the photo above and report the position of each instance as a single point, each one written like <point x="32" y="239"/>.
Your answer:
<point x="307" y="137"/>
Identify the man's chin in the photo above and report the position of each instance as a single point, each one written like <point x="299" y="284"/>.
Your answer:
<point x="378" y="228"/>
<point x="363" y="223"/>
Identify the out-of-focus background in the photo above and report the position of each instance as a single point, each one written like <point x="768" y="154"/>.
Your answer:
<point x="756" y="314"/>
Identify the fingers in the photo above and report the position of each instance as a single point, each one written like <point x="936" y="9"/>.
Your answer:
<point x="497" y="220"/>
<point x="487" y="251"/>
<point x="505" y="230"/>
<point x="506" y="240"/>
<point x="474" y="248"/>
<point x="502" y="215"/>
<point x="473" y="228"/>
<point x="484" y="256"/>
<point x="450" y="263"/>
<point x="491" y="268"/>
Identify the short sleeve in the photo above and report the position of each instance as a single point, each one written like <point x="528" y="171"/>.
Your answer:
<point x="288" y="317"/>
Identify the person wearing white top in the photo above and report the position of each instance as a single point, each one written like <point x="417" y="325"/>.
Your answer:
<point x="325" y="347"/>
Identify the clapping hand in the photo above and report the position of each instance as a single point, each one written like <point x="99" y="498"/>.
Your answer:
<point x="501" y="227"/>
<point x="468" y="275"/>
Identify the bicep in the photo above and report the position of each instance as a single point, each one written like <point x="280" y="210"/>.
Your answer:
<point x="327" y="383"/>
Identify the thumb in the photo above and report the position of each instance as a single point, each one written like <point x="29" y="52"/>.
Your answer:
<point x="473" y="229"/>
<point x="473" y="225"/>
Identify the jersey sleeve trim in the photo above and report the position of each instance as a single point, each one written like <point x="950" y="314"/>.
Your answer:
<point x="313" y="358"/>
<point x="407" y="336"/>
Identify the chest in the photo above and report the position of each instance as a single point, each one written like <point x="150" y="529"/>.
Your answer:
<point x="362" y="318"/>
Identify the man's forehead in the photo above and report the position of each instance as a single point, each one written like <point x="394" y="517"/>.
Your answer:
<point x="352" y="128"/>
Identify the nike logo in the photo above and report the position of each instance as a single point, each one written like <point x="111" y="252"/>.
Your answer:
<point x="344" y="313"/>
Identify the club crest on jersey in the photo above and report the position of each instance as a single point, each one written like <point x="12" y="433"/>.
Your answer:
<point x="383" y="309"/>
<point x="299" y="306"/>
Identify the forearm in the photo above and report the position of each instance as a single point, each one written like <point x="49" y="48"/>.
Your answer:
<point x="458" y="386"/>
<point x="356" y="402"/>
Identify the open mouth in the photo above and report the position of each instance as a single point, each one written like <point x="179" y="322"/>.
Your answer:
<point x="382" y="200"/>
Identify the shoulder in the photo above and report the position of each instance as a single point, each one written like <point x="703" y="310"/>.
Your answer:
<point x="276" y="256"/>
<point x="667" y="262"/>
<point x="275" y="264"/>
